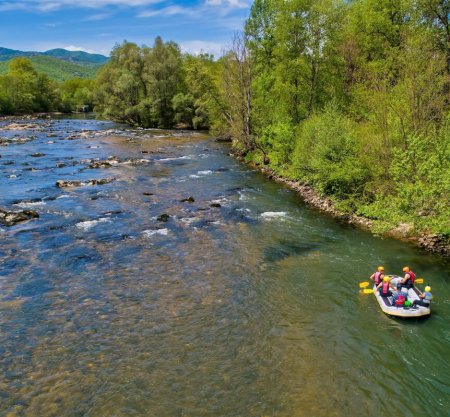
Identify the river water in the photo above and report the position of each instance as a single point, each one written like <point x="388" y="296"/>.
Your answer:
<point x="244" y="302"/>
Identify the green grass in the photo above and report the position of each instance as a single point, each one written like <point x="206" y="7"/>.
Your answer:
<point x="56" y="69"/>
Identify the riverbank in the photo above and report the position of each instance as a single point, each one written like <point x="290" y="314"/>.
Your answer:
<point x="434" y="243"/>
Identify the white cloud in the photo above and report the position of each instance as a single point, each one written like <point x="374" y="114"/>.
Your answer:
<point x="4" y="7"/>
<point x="74" y="48"/>
<point x="48" y="6"/>
<point x="52" y="5"/>
<point x="168" y="11"/>
<point x="217" y="7"/>
<point x="229" y="4"/>
<point x="196" y="47"/>
<point x="95" y="17"/>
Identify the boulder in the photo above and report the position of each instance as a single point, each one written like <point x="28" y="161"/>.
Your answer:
<point x="75" y="183"/>
<point x="100" y="164"/>
<point x="68" y="184"/>
<point x="163" y="218"/>
<point x="10" y="218"/>
<point x="100" y="181"/>
<point x="189" y="199"/>
<point x="224" y="138"/>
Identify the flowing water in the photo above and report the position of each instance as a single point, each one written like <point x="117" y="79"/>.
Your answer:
<point x="243" y="302"/>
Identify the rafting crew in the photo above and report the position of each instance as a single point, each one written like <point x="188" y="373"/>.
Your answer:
<point x="384" y="287"/>
<point x="425" y="298"/>
<point x="408" y="279"/>
<point x="377" y="277"/>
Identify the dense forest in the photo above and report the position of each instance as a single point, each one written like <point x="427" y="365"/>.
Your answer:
<point x="350" y="97"/>
<point x="25" y="90"/>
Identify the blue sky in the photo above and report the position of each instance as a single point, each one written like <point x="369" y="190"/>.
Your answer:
<point x="97" y="25"/>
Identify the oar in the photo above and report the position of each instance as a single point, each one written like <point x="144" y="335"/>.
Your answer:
<point x="418" y="281"/>
<point x="365" y="284"/>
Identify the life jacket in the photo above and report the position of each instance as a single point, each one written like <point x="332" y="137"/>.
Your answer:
<point x="400" y="300"/>
<point x="385" y="288"/>
<point x="428" y="297"/>
<point x="411" y="279"/>
<point x="377" y="277"/>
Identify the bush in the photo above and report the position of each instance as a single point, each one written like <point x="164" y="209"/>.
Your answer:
<point x="328" y="156"/>
<point x="278" y="140"/>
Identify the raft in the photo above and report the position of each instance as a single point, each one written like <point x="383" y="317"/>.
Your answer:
<point x="388" y="306"/>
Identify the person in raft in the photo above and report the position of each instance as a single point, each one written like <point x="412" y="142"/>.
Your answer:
<point x="378" y="276"/>
<point x="425" y="298"/>
<point x="384" y="287"/>
<point x="408" y="279"/>
<point x="400" y="297"/>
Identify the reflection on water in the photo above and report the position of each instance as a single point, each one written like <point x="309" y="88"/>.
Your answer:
<point x="124" y="300"/>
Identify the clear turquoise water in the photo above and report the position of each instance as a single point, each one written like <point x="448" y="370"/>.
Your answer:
<point x="248" y="309"/>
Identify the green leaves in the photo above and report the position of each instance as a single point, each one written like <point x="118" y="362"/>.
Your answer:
<point x="327" y="155"/>
<point x="23" y="90"/>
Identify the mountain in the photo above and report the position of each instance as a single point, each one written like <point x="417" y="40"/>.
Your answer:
<point x="57" y="69"/>
<point x="77" y="57"/>
<point x="58" y="64"/>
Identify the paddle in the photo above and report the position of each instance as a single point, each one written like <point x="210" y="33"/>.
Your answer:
<point x="418" y="281"/>
<point x="364" y="284"/>
<point x="367" y="291"/>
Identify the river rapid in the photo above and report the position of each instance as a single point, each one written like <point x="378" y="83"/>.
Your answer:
<point x="123" y="300"/>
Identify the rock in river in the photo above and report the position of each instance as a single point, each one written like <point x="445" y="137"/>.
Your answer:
<point x="10" y="218"/>
<point x="189" y="199"/>
<point x="75" y="183"/>
<point x="163" y="218"/>
<point x="67" y="184"/>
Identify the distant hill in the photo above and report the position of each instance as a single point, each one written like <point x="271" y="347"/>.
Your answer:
<point x="77" y="57"/>
<point x="57" y="69"/>
<point x="58" y="64"/>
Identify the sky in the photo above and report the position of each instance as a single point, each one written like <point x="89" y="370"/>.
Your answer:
<point x="95" y="26"/>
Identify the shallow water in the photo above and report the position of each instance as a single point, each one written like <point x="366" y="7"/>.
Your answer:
<point x="247" y="309"/>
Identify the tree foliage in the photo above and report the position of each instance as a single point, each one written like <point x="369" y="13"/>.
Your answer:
<point x="352" y="98"/>
<point x="23" y="90"/>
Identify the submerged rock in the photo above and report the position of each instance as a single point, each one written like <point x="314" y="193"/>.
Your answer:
<point x="99" y="164"/>
<point x="37" y="154"/>
<point x="215" y="205"/>
<point x="224" y="138"/>
<point x="100" y="181"/>
<point x="10" y="218"/>
<point x="67" y="184"/>
<point x="190" y="199"/>
<point x="75" y="183"/>
<point x="21" y="126"/>
<point x="163" y="218"/>
<point x="147" y="193"/>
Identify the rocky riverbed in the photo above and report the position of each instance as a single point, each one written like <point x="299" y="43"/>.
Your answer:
<point x="193" y="285"/>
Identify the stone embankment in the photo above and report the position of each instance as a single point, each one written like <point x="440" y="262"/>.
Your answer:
<point x="430" y="242"/>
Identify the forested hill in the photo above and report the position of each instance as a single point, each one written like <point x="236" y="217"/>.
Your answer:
<point x="76" y="57"/>
<point x="58" y="64"/>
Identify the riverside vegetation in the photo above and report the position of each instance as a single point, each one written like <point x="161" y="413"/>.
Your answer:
<point x="351" y="98"/>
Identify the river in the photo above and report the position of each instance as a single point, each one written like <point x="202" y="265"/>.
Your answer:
<point x="243" y="302"/>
